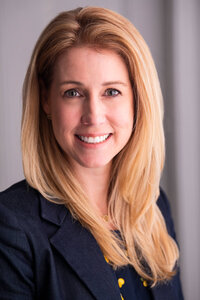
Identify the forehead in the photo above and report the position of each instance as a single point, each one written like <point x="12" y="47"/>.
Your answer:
<point x="83" y="61"/>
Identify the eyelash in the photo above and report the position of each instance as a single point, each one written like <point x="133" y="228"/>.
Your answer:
<point x="76" y="93"/>
<point x="66" y="93"/>
<point x="112" y="90"/>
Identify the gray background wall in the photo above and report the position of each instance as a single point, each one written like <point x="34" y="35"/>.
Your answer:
<point x="171" y="28"/>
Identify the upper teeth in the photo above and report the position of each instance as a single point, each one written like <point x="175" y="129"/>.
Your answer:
<point x="93" y="140"/>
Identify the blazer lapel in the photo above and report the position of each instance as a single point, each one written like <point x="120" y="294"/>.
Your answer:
<point x="81" y="251"/>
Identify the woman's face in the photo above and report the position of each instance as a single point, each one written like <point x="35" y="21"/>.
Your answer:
<point x="91" y="105"/>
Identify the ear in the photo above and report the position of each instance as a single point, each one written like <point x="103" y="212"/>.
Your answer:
<point x="44" y="94"/>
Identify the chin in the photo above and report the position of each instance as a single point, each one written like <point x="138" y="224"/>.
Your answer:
<point x="94" y="164"/>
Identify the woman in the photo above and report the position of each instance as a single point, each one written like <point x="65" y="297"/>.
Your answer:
<point x="90" y="221"/>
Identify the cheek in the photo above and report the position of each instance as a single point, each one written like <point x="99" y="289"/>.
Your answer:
<point x="123" y="117"/>
<point x="65" y="119"/>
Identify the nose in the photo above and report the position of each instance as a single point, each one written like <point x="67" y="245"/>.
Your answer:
<point x="93" y="111"/>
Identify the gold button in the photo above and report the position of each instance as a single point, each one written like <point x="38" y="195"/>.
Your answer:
<point x="145" y="283"/>
<point x="121" y="282"/>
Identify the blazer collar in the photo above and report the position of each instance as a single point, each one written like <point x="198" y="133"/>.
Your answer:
<point x="81" y="251"/>
<point x="52" y="212"/>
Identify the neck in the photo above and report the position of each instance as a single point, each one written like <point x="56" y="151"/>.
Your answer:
<point x="95" y="182"/>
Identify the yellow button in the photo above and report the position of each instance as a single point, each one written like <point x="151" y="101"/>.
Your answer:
<point x="121" y="282"/>
<point x="106" y="259"/>
<point x="145" y="283"/>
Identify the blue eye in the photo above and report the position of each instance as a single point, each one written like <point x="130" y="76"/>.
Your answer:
<point x="112" y="92"/>
<point x="71" y="93"/>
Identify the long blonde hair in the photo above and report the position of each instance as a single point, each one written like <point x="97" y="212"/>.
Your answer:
<point x="136" y="170"/>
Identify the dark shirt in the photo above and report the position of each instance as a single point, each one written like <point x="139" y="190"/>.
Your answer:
<point x="132" y="287"/>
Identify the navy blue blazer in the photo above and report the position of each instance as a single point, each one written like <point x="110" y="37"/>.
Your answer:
<point x="46" y="254"/>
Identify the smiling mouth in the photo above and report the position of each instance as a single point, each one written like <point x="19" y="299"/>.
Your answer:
<point x="93" y="140"/>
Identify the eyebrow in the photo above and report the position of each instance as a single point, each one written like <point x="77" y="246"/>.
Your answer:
<point x="104" y="84"/>
<point x="71" y="82"/>
<point x="114" y="82"/>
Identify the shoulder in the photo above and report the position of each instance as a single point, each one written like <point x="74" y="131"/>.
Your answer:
<point x="19" y="208"/>
<point x="17" y="190"/>
<point x="19" y="216"/>
<point x="24" y="209"/>
<point x="20" y="198"/>
<point x="21" y="225"/>
<point x="163" y="202"/>
<point x="173" y="289"/>
<point x="164" y="206"/>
